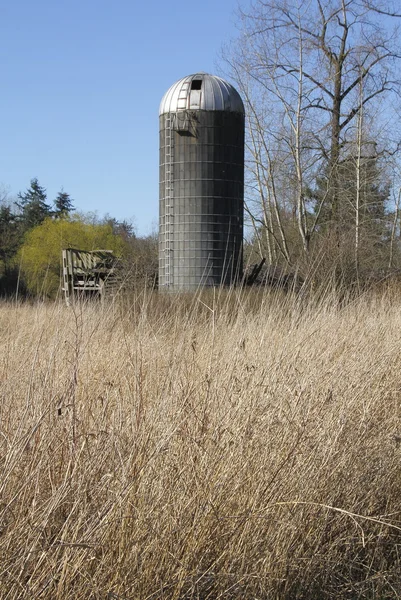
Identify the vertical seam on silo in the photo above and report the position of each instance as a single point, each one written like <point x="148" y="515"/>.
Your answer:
<point x="227" y="93"/>
<point x="210" y="82"/>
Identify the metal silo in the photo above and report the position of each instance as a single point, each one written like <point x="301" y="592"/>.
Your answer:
<point x="201" y="184"/>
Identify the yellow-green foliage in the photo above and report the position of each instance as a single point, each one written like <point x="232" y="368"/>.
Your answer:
<point x="40" y="255"/>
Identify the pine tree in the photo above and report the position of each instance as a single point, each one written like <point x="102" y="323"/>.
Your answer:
<point x="33" y="206"/>
<point x="9" y="238"/>
<point x="374" y="194"/>
<point x="63" y="204"/>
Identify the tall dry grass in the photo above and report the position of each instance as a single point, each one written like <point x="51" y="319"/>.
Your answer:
<point x="240" y="445"/>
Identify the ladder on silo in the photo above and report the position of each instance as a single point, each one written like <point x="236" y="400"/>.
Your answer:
<point x="168" y="199"/>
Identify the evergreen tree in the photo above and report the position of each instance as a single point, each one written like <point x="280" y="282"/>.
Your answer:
<point x="63" y="204"/>
<point x="124" y="228"/>
<point x="374" y="192"/>
<point x="9" y="237"/>
<point x="33" y="206"/>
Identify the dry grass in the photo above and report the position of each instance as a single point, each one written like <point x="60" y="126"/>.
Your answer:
<point x="231" y="446"/>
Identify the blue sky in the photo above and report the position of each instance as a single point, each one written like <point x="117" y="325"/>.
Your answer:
<point x="81" y="82"/>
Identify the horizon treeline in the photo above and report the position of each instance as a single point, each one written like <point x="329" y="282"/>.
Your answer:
<point x="322" y="94"/>
<point x="33" y="231"/>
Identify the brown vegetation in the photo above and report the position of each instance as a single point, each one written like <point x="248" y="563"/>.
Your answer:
<point x="240" y="445"/>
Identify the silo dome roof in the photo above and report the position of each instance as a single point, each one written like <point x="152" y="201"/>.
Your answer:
<point x="201" y="91"/>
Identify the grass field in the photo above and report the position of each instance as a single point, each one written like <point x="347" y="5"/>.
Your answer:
<point x="233" y="445"/>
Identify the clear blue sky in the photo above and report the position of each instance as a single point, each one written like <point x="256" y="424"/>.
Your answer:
<point x="81" y="83"/>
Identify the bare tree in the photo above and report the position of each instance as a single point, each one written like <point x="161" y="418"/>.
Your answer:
<point x="308" y="71"/>
<point x="394" y="227"/>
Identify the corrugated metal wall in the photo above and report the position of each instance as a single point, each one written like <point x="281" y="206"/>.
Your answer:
<point x="201" y="198"/>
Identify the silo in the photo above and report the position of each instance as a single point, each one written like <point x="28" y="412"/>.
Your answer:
<point x="201" y="184"/>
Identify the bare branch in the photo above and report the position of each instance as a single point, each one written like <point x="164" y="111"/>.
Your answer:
<point x="380" y="11"/>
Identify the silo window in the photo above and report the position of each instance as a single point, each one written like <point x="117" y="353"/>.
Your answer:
<point x="196" y="84"/>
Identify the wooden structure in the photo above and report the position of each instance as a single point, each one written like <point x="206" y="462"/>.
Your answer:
<point x="87" y="274"/>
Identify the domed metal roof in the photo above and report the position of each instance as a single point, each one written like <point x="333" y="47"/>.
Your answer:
<point x="201" y="92"/>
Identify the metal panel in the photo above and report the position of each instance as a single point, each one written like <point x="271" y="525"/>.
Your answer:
<point x="216" y="94"/>
<point x="195" y="99"/>
<point x="201" y="193"/>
